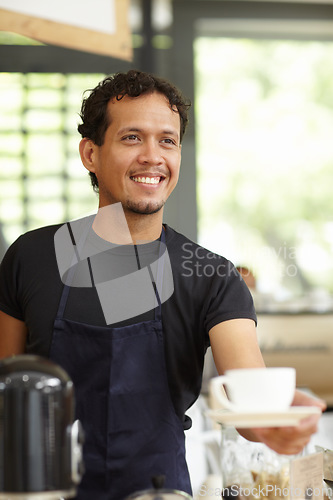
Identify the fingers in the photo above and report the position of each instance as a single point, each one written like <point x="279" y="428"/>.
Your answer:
<point x="288" y="440"/>
<point x="303" y="399"/>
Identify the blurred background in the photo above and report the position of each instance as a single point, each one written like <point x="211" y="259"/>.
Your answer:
<point x="258" y="156"/>
<point x="257" y="159"/>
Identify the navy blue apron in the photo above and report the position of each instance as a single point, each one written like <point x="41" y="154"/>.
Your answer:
<point x="132" y="432"/>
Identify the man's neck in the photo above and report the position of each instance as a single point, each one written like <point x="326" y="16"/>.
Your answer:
<point x="113" y="224"/>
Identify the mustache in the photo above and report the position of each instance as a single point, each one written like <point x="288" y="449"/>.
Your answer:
<point x="156" y="171"/>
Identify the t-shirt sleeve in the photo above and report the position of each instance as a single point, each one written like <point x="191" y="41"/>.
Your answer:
<point x="230" y="298"/>
<point x="9" y="282"/>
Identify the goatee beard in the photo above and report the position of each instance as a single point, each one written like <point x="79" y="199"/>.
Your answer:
<point x="144" y="208"/>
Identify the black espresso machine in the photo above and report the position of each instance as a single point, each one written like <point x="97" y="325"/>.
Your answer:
<point x="40" y="443"/>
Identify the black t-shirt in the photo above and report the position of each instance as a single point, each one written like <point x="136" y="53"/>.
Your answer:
<point x="207" y="290"/>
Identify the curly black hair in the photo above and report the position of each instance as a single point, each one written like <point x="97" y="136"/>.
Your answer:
<point x="94" y="116"/>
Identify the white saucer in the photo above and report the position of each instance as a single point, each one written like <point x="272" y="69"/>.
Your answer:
<point x="244" y="419"/>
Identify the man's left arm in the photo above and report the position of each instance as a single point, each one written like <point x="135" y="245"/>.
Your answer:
<point x="234" y="345"/>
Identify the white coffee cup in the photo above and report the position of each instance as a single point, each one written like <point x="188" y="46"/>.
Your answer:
<point x="256" y="389"/>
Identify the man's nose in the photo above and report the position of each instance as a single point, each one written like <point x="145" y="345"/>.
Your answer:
<point x="150" y="153"/>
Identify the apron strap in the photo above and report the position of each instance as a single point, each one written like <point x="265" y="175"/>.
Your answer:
<point x="157" y="284"/>
<point x="159" y="278"/>
<point x="75" y="259"/>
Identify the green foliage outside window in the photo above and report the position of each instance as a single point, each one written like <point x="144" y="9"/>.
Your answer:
<point x="42" y="180"/>
<point x="264" y="114"/>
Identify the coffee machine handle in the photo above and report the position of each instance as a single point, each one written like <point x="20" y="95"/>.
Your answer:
<point x="77" y="440"/>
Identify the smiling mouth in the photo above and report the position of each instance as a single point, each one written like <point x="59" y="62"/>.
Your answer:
<point x="147" y="180"/>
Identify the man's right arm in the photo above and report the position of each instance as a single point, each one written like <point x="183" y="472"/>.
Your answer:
<point x="13" y="334"/>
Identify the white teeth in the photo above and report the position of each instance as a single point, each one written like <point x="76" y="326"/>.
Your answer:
<point x="147" y="180"/>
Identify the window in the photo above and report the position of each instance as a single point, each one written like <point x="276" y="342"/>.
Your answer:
<point x="42" y="179"/>
<point x="264" y="114"/>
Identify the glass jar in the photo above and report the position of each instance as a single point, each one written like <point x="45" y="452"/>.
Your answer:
<point x="252" y="470"/>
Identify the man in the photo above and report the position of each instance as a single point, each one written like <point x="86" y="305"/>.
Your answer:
<point x="135" y="373"/>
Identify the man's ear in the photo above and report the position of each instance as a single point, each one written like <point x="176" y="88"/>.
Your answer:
<point x="87" y="150"/>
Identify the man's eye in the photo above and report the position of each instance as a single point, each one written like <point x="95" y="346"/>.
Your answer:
<point x="131" y="137"/>
<point x="169" y="141"/>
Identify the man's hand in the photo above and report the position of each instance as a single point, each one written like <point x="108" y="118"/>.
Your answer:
<point x="235" y="345"/>
<point x="289" y="440"/>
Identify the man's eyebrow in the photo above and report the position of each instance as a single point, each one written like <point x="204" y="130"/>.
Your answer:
<point x="170" y="132"/>
<point x="128" y="129"/>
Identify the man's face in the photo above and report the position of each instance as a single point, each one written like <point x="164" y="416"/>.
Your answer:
<point x="138" y="164"/>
